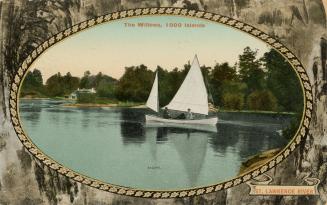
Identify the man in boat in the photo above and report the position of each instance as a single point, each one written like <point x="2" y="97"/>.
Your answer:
<point x="185" y="116"/>
<point x="166" y="113"/>
<point x="189" y="114"/>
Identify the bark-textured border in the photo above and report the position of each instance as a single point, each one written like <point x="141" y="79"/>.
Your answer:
<point x="214" y="18"/>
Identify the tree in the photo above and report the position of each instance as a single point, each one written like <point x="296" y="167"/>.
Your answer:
<point x="85" y="80"/>
<point x="59" y="86"/>
<point x="250" y="70"/>
<point x="166" y="86"/>
<point x="70" y="83"/>
<point x="98" y="78"/>
<point x="170" y="82"/>
<point x="54" y="85"/>
<point x="219" y="74"/>
<point x="283" y="82"/>
<point x="33" y="84"/>
<point x="32" y="81"/>
<point x="106" y="89"/>
<point x="38" y="77"/>
<point x="135" y="84"/>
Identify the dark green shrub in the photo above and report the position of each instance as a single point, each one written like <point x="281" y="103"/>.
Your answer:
<point x="262" y="100"/>
<point x="234" y="101"/>
<point x="86" y="98"/>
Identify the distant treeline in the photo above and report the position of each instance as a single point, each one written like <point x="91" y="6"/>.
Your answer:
<point x="59" y="85"/>
<point x="268" y="83"/>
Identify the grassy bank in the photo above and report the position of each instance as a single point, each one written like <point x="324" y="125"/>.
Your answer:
<point x="119" y="104"/>
<point x="258" y="160"/>
<point x="105" y="103"/>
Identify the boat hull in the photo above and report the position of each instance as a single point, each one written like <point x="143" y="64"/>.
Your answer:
<point x="207" y="121"/>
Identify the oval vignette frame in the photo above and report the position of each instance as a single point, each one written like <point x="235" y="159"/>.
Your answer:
<point x="301" y="133"/>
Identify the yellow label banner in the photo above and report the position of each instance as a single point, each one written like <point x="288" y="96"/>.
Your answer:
<point x="262" y="187"/>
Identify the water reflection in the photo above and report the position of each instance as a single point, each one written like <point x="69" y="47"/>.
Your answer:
<point x="85" y="117"/>
<point x="33" y="111"/>
<point x="245" y="134"/>
<point x="132" y="129"/>
<point x="191" y="150"/>
<point x="243" y="137"/>
<point x="162" y="133"/>
<point x="111" y="143"/>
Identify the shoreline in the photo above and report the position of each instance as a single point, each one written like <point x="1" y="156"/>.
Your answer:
<point x="257" y="112"/>
<point x="144" y="106"/>
<point x="90" y="105"/>
<point x="38" y="98"/>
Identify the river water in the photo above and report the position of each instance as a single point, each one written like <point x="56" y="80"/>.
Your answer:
<point x="116" y="146"/>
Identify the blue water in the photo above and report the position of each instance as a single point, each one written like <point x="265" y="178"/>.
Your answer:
<point x="115" y="145"/>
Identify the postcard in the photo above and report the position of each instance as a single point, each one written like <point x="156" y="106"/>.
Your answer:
<point x="163" y="102"/>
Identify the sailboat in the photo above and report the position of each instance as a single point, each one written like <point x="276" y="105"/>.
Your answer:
<point x="191" y="95"/>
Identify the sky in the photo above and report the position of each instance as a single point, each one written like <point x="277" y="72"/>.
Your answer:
<point x="110" y="47"/>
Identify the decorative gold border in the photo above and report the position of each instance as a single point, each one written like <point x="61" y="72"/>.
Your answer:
<point x="32" y="148"/>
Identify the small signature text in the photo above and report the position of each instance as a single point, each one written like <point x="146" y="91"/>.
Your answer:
<point x="154" y="167"/>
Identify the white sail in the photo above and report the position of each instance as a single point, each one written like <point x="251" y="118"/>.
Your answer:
<point x="153" y="101"/>
<point x="193" y="93"/>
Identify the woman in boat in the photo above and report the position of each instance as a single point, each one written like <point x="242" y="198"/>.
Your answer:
<point x="189" y="114"/>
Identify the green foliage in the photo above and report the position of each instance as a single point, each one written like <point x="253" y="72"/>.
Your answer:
<point x="262" y="100"/>
<point x="233" y="94"/>
<point x="86" y="98"/>
<point x="33" y="84"/>
<point x="105" y="89"/>
<point x="233" y="101"/>
<point x="220" y="74"/>
<point x="235" y="87"/>
<point x="169" y="83"/>
<point x="86" y="80"/>
<point x="89" y="81"/>
<point x="283" y="82"/>
<point x="135" y="84"/>
<point x="69" y="83"/>
<point x="58" y="85"/>
<point x="54" y="85"/>
<point x="250" y="70"/>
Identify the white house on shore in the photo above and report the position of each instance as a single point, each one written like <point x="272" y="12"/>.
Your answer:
<point x="73" y="95"/>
